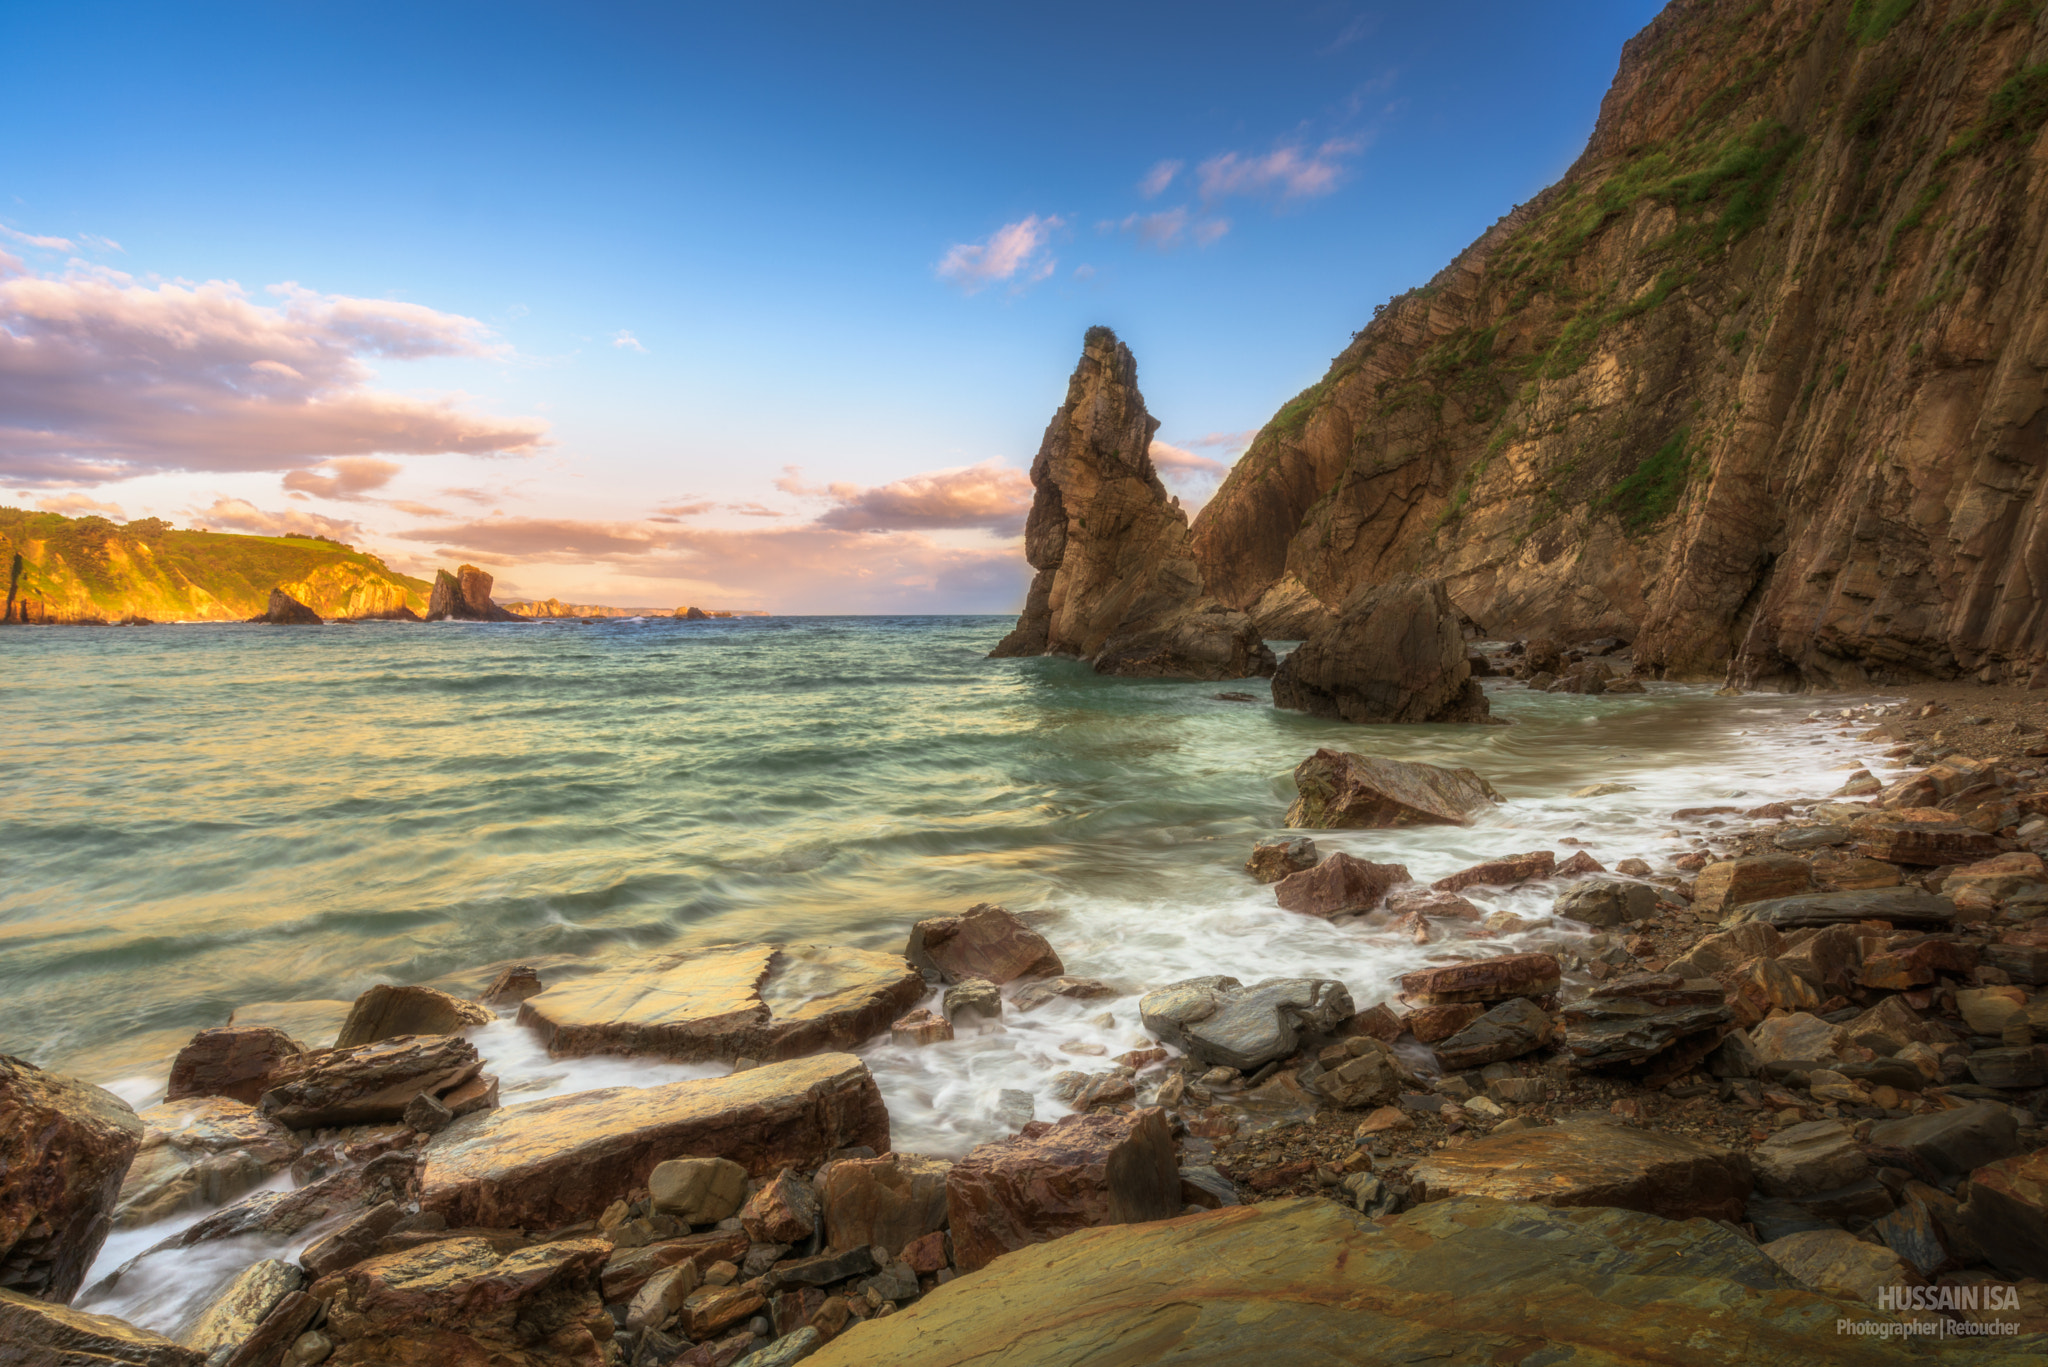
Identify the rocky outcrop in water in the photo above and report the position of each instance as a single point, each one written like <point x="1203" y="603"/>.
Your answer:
<point x="465" y="596"/>
<point x="1117" y="584"/>
<point x="283" y="610"/>
<point x="1395" y="654"/>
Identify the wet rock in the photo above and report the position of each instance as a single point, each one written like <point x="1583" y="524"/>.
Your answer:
<point x="1801" y="1160"/>
<point x="786" y="1351"/>
<point x="1605" y="902"/>
<point x="1338" y="885"/>
<point x="1482" y="980"/>
<point x="1900" y="906"/>
<point x="1920" y="1230"/>
<point x="629" y="1269"/>
<point x="1837" y="1263"/>
<point x="2002" y="877"/>
<point x="1432" y="1023"/>
<point x="1341" y="790"/>
<point x="1637" y="1017"/>
<point x="205" y="1151"/>
<point x="472" y="1303"/>
<point x="1757" y="878"/>
<point x="757" y="1001"/>
<point x="974" y="999"/>
<point x="1033" y="995"/>
<point x="65" y="1147"/>
<point x="1578" y="866"/>
<point x="1273" y="860"/>
<point x="387" y="1011"/>
<point x="2009" y="1068"/>
<point x="920" y="1027"/>
<point x="1958" y="1141"/>
<point x="1394" y="654"/>
<point x="1603" y="789"/>
<point x="987" y="943"/>
<point x="283" y="610"/>
<point x="886" y="1202"/>
<point x="35" y="1333"/>
<point x="1919" y="836"/>
<point x="1592" y="1165"/>
<point x="1831" y="960"/>
<point x="1220" y="1022"/>
<point x="2006" y="1213"/>
<point x="1356" y="1073"/>
<point x="546" y="1164"/>
<point x="1014" y="1109"/>
<point x="367" y="1083"/>
<point x="512" y="986"/>
<point x="233" y="1316"/>
<point x="232" y="1061"/>
<point x="1053" y="1179"/>
<point x="1917" y="962"/>
<point x="1513" y="1028"/>
<point x="354" y="1241"/>
<point x="1810" y="837"/>
<point x="785" y="1211"/>
<point x="698" y="1191"/>
<point x="427" y="1114"/>
<point x="1505" y="872"/>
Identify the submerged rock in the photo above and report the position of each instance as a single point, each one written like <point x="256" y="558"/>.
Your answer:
<point x="1342" y="790"/>
<point x="1338" y="885"/>
<point x="65" y="1147"/>
<point x="1394" y="654"/>
<point x="1221" y="1022"/>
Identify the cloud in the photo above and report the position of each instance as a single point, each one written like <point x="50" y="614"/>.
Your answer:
<point x="546" y="540"/>
<point x="344" y="478"/>
<point x="990" y="495"/>
<point x="1228" y="441"/>
<point x="101" y="378"/>
<point x="94" y="242"/>
<point x="1177" y="463"/>
<point x="240" y="515"/>
<point x="473" y="495"/>
<point x="1164" y="230"/>
<point x="1288" y="171"/>
<point x="791" y="481"/>
<point x="1014" y="252"/>
<point x="623" y="338"/>
<point x="1209" y="230"/>
<point x="755" y="510"/>
<point x="685" y="509"/>
<point x="78" y="505"/>
<point x="48" y="244"/>
<point x="415" y="509"/>
<point x="1084" y="271"/>
<point x="1159" y="177"/>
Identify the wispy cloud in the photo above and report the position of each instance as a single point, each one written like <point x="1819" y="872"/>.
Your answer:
<point x="755" y="510"/>
<point x="1176" y="461"/>
<point x="412" y="509"/>
<point x="1288" y="172"/>
<point x="347" y="479"/>
<point x="990" y="495"/>
<point x="685" y="509"/>
<point x="78" y="505"/>
<point x="1225" y="441"/>
<point x="48" y="244"/>
<point x="623" y="338"/>
<point x="1164" y="230"/>
<point x="1158" y="178"/>
<point x="1015" y="252"/>
<point x="240" y="515"/>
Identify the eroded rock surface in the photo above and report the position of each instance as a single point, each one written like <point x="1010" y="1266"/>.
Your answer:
<point x="988" y="943"/>
<point x="388" y="1010"/>
<point x="1219" y="1021"/>
<point x="1394" y="654"/>
<point x="1342" y="790"/>
<point x="65" y="1147"/>
<point x="1594" y="1165"/>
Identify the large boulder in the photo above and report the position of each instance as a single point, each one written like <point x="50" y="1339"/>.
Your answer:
<point x="368" y="1083"/>
<point x="234" y="1061"/>
<point x="1593" y="1165"/>
<point x="1817" y="1156"/>
<point x="727" y="1002"/>
<point x="283" y="610"/>
<point x="1958" y="1141"/>
<point x="2007" y="1213"/>
<point x="1729" y="883"/>
<point x="1220" y="1022"/>
<point x="387" y="1011"/>
<point x="1117" y="583"/>
<point x="204" y="1151"/>
<point x="1308" y="1283"/>
<point x="885" y="1202"/>
<point x="1920" y="836"/>
<point x="1338" y="885"/>
<point x="1394" y="654"/>
<point x="988" y="943"/>
<point x="1342" y="790"/>
<point x="1482" y="980"/>
<point x="545" y="1164"/>
<point x="65" y="1147"/>
<point x="36" y="1333"/>
<point x="1636" y="1018"/>
<point x="1900" y="906"/>
<point x="1053" y="1179"/>
<point x="465" y="596"/>
<point x="1513" y="1028"/>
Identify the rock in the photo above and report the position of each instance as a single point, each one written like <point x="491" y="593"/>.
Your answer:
<point x="205" y="1151"/>
<point x="1220" y="1022"/>
<point x="1635" y="1018"/>
<point x="354" y="1241"/>
<point x="823" y="1269"/>
<point x="230" y="1061"/>
<point x="1810" y="837"/>
<point x="987" y="943"/>
<point x="1287" y="611"/>
<point x="465" y="596"/>
<point x="1358" y="1072"/>
<point x="1338" y="885"/>
<point x="1837" y="1263"/>
<point x="367" y="1083"/>
<point x="1780" y="988"/>
<point x="427" y="1114"/>
<point x="757" y="1001"/>
<point x="1514" y="1028"/>
<point x="1501" y="873"/>
<point x="471" y="1303"/>
<point x="786" y="1351"/>
<point x="234" y="1314"/>
<point x="65" y="1147"/>
<point x="2006" y="1213"/>
<point x="1033" y="995"/>
<point x="1083" y="1171"/>
<point x="1986" y="1009"/>
<point x="713" y="1309"/>
<point x="1919" y="836"/>
<point x="35" y="1333"/>
<point x="512" y="986"/>
<point x="1801" y="1160"/>
<point x="387" y="1011"/>
<point x="1482" y="980"/>
<point x="2020" y="1067"/>
<point x="311" y="1024"/>
<point x="975" y="999"/>
<point x="1796" y="1036"/>
<point x="1739" y="943"/>
<point x="1394" y="654"/>
<point x="1432" y="1023"/>
<point x="630" y="1269"/>
<point x="661" y="1296"/>
<point x="2022" y="963"/>
<point x="1831" y="960"/>
<point x="1117" y="583"/>
<point x="1273" y="860"/>
<point x="546" y="1164"/>
<point x="1958" y="1141"/>
<point x="284" y="610"/>
<point x="1605" y="902"/>
<point x="1757" y="878"/>
<point x="1603" y="789"/>
<point x="785" y="1211"/>
<point x="886" y="1202"/>
<point x="1900" y="906"/>
<point x="1592" y="1165"/>
<point x="698" y="1191"/>
<point x="1578" y="866"/>
<point x="1852" y="872"/>
<point x="1379" y="1022"/>
<point x="920" y="1027"/>
<point x="1917" y="962"/>
<point x="2000" y="877"/>
<point x="1341" y="790"/>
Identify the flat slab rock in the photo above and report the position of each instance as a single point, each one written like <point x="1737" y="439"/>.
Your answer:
<point x="1309" y="1283"/>
<point x="1482" y="980"/>
<point x="1342" y="790"/>
<point x="1900" y="906"/>
<point x="758" y="1001"/>
<point x="1593" y="1165"/>
<point x="1220" y="1021"/>
<point x="35" y="1333"/>
<point x="546" y="1164"/>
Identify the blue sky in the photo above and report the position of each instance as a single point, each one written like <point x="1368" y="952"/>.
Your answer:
<point x="569" y="290"/>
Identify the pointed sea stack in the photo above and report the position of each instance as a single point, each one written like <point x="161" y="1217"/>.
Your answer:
<point x="1117" y="583"/>
<point x="287" y="611"/>
<point x="465" y="596"/>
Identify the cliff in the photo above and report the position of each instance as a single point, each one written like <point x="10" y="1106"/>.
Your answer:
<point x="1117" y="583"/>
<point x="88" y="569"/>
<point x="1758" y="385"/>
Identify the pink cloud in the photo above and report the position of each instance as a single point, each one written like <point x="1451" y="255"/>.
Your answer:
<point x="685" y="509"/>
<point x="1159" y="177"/>
<point x="101" y="378"/>
<point x="1227" y="441"/>
<point x="344" y="478"/>
<point x="78" y="505"/>
<point x="240" y="515"/>
<point x="1165" y="229"/>
<point x="1014" y="252"/>
<point x="1288" y="171"/>
<point x="990" y="495"/>
<point x="1176" y="462"/>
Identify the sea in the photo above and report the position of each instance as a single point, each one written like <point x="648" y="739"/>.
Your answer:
<point x="205" y="816"/>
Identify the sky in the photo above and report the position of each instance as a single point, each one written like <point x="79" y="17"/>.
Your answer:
<point x="760" y="306"/>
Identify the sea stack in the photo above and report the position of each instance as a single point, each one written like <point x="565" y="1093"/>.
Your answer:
<point x="287" y="611"/>
<point x="1117" y="582"/>
<point x="1395" y="654"/>
<point x="465" y="596"/>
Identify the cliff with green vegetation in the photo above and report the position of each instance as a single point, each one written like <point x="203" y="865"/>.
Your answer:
<point x="88" y="569"/>
<point x="1758" y="385"/>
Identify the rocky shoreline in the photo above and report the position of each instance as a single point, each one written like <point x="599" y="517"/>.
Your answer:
<point x="1795" y="1055"/>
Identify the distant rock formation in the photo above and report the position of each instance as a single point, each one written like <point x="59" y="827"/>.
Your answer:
<point x="1395" y="654"/>
<point x="287" y="611"/>
<point x="694" y="615"/>
<point x="401" y="613"/>
<point x="1117" y="584"/>
<point x="465" y="596"/>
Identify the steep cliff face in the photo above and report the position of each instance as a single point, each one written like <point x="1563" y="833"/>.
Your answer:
<point x="1117" y="584"/>
<point x="1758" y="385"/>
<point x="89" y="569"/>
